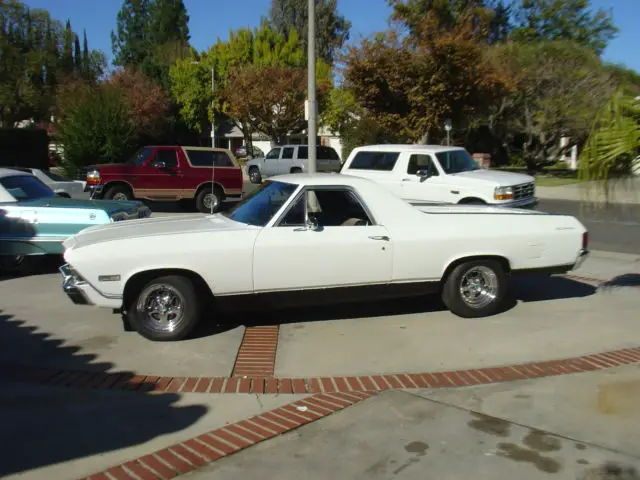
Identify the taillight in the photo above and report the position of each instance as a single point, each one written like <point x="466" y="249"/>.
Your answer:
<point x="93" y="177"/>
<point x="585" y="240"/>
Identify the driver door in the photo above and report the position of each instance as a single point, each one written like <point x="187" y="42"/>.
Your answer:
<point x="271" y="162"/>
<point x="161" y="178"/>
<point x="420" y="188"/>
<point x="346" y="249"/>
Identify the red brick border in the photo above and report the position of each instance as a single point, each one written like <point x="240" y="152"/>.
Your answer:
<point x="356" y="383"/>
<point x="257" y="352"/>
<point x="197" y="452"/>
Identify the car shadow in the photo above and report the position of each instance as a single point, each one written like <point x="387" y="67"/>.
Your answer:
<point x="44" y="425"/>
<point x="625" y="280"/>
<point x="521" y="289"/>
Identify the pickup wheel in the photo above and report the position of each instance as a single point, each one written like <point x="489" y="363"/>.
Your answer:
<point x="254" y="175"/>
<point x="476" y="288"/>
<point x="206" y="197"/>
<point x="118" y="192"/>
<point x="296" y="170"/>
<point x="165" y="309"/>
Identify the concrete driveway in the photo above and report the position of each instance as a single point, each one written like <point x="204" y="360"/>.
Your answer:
<point x="66" y="372"/>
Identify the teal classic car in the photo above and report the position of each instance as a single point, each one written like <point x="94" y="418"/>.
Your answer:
<point x="34" y="221"/>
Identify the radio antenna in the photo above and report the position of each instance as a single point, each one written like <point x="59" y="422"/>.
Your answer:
<point x="213" y="169"/>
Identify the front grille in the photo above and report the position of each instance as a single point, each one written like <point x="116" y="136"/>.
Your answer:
<point x="524" y="190"/>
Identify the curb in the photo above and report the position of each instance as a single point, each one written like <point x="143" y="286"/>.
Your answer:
<point x="204" y="449"/>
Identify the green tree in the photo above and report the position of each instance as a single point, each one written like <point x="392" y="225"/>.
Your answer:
<point x="130" y="42"/>
<point x="332" y="29"/>
<point x="67" y="50"/>
<point x="571" y="20"/>
<point x="614" y="141"/>
<point x="77" y="57"/>
<point x="95" y="125"/>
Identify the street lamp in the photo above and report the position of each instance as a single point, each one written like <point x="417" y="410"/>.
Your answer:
<point x="213" y="91"/>
<point x="311" y="87"/>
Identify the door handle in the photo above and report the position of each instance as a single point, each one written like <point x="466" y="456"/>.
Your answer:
<point x="379" y="237"/>
<point x="406" y="179"/>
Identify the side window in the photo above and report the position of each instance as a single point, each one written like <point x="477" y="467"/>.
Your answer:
<point x="330" y="208"/>
<point x="421" y="162"/>
<point x="287" y="153"/>
<point x="303" y="153"/>
<point x="382" y="161"/>
<point x="168" y="157"/>
<point x="223" y="160"/>
<point x="273" y="153"/>
<point x="200" y="158"/>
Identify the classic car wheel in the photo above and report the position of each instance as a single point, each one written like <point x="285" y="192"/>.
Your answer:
<point x="117" y="192"/>
<point x="475" y="288"/>
<point x="254" y="175"/>
<point x="206" y="197"/>
<point x="18" y="264"/>
<point x="166" y="309"/>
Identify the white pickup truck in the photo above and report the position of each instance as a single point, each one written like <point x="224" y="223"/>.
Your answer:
<point x="433" y="174"/>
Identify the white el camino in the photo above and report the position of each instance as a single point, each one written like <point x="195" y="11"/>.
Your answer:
<point x="326" y="236"/>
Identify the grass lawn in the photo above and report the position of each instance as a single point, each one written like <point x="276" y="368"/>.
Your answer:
<point x="551" y="181"/>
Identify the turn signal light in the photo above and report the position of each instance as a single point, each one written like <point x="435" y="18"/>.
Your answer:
<point x="585" y="240"/>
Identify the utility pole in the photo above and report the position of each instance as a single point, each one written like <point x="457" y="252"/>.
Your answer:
<point x="311" y="88"/>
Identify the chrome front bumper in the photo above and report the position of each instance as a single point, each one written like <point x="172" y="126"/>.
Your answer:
<point x="70" y="285"/>
<point x="530" y="202"/>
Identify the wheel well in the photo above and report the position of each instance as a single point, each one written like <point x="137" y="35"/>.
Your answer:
<point x="204" y="186"/>
<point x="137" y="281"/>
<point x="471" y="200"/>
<point x="503" y="262"/>
<point x="63" y="194"/>
<point x="117" y="183"/>
<point x="294" y="168"/>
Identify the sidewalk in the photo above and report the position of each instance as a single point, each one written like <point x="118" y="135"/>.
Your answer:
<point x="625" y="191"/>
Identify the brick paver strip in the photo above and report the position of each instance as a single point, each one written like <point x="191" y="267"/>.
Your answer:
<point x="191" y="454"/>
<point x="257" y="352"/>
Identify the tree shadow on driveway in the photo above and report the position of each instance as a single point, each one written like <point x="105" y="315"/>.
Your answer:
<point x="45" y="420"/>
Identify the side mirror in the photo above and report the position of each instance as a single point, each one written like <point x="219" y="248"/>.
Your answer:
<point x="423" y="174"/>
<point x="312" y="224"/>
<point x="159" y="164"/>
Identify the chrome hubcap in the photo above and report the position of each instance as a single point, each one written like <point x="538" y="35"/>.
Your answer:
<point x="210" y="200"/>
<point x="253" y="175"/>
<point x="120" y="196"/>
<point x="479" y="287"/>
<point x="162" y="306"/>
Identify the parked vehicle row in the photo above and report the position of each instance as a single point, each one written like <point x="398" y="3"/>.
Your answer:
<point x="321" y="237"/>
<point x="34" y="220"/>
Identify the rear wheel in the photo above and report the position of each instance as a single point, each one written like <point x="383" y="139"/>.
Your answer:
<point x="118" y="192"/>
<point x="475" y="288"/>
<point x="209" y="200"/>
<point x="20" y="265"/>
<point x="254" y="175"/>
<point x="165" y="309"/>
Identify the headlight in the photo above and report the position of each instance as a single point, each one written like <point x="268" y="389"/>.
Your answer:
<point x="93" y="177"/>
<point x="503" y="193"/>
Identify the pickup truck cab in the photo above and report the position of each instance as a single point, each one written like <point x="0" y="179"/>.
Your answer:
<point x="292" y="159"/>
<point x="434" y="174"/>
<point x="208" y="176"/>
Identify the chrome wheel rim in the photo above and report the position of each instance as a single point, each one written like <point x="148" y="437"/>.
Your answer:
<point x="254" y="175"/>
<point x="10" y="262"/>
<point x="210" y="200"/>
<point x="120" y="196"/>
<point x="162" y="307"/>
<point x="479" y="287"/>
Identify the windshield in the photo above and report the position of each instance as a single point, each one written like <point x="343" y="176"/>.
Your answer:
<point x="139" y="157"/>
<point x="262" y="204"/>
<point x="456" y="161"/>
<point x="26" y="187"/>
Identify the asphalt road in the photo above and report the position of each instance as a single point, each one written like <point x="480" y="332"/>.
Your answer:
<point x="612" y="228"/>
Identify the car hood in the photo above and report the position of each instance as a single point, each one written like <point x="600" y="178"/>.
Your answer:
<point x="109" y="206"/>
<point x="255" y="161"/>
<point x="152" y="227"/>
<point x="499" y="179"/>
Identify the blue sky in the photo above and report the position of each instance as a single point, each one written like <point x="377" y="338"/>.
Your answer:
<point x="210" y="19"/>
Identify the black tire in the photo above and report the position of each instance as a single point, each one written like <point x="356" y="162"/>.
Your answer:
<point x="205" y="196"/>
<point x="491" y="273"/>
<point x="254" y="175"/>
<point x="151" y="325"/>
<point x="20" y="265"/>
<point x="118" y="192"/>
<point x="296" y="170"/>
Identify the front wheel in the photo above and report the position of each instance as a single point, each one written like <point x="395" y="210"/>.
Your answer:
<point x="118" y="192"/>
<point x="166" y="309"/>
<point x="254" y="175"/>
<point x="476" y="288"/>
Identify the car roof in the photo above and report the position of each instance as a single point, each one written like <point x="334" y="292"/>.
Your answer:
<point x="10" y="172"/>
<point x="321" y="179"/>
<point x="407" y="147"/>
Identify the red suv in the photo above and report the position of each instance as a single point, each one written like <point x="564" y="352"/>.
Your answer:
<point x="208" y="176"/>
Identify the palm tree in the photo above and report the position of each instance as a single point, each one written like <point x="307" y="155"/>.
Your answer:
<point x="613" y="147"/>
